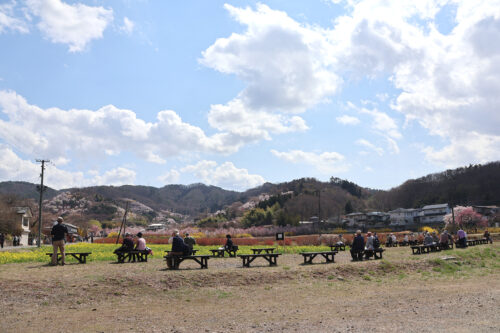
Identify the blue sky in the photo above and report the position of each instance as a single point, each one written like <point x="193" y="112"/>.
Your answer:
<point x="236" y="93"/>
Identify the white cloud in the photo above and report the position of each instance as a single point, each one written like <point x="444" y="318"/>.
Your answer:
<point x="12" y="168"/>
<point x="56" y="133"/>
<point x="225" y="175"/>
<point x="448" y="82"/>
<point x="327" y="162"/>
<point x="347" y="120"/>
<point x="75" y="25"/>
<point x="128" y="26"/>
<point x="285" y="65"/>
<point x="170" y="177"/>
<point x="371" y="146"/>
<point x="8" y="21"/>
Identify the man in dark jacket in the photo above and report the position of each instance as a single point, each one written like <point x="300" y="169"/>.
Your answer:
<point x="59" y="232"/>
<point x="178" y="248"/>
<point x="127" y="244"/>
<point x="358" y="246"/>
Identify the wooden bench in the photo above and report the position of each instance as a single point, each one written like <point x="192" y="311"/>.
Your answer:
<point x="337" y="247"/>
<point x="140" y="255"/>
<point x="263" y="249"/>
<point x="220" y="252"/>
<point x="375" y="253"/>
<point x="193" y="252"/>
<point x="421" y="249"/>
<point x="80" y="256"/>
<point x="328" y="255"/>
<point x="202" y="260"/>
<point x="270" y="257"/>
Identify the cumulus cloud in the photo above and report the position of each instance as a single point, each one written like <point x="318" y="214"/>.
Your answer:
<point x="225" y="175"/>
<point x="56" y="133"/>
<point x="326" y="163"/>
<point x="13" y="167"/>
<point x="286" y="68"/>
<point x="347" y="120"/>
<point x="9" y="21"/>
<point x="75" y="25"/>
<point x="448" y="81"/>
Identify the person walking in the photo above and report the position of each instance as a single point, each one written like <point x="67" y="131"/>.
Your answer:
<point x="59" y="231"/>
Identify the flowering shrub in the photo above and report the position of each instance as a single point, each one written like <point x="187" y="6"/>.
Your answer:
<point x="465" y="218"/>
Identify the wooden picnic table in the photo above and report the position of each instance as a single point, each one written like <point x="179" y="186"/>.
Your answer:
<point x="193" y="252"/>
<point x="270" y="257"/>
<point x="328" y="255"/>
<point x="176" y="260"/>
<point x="258" y="250"/>
<point x="221" y="250"/>
<point x="337" y="247"/>
<point x="140" y="255"/>
<point x="80" y="256"/>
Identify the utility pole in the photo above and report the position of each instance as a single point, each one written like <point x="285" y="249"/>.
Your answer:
<point x="124" y="223"/>
<point x="41" y="189"/>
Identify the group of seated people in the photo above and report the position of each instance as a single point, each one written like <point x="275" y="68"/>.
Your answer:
<point x="359" y="247"/>
<point x="128" y="245"/>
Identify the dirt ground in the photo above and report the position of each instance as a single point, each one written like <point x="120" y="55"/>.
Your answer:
<point x="401" y="293"/>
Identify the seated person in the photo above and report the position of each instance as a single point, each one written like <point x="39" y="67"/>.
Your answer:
<point x="388" y="242"/>
<point x="340" y="240"/>
<point x="487" y="236"/>
<point x="443" y="240"/>
<point x="140" y="243"/>
<point x="229" y="246"/>
<point x="189" y="241"/>
<point x="358" y="247"/>
<point x="462" y="238"/>
<point x="178" y="248"/>
<point x="376" y="241"/>
<point x="428" y="240"/>
<point x="394" y="239"/>
<point x="127" y="245"/>
<point x="406" y="240"/>
<point x="369" y="245"/>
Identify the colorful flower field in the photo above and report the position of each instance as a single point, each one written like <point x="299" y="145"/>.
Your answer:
<point x="104" y="252"/>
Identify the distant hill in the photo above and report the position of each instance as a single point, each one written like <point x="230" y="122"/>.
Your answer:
<point x="472" y="185"/>
<point x="475" y="184"/>
<point x="25" y="190"/>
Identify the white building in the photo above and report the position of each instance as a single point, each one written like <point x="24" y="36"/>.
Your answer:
<point x="433" y="214"/>
<point x="25" y="215"/>
<point x="403" y="216"/>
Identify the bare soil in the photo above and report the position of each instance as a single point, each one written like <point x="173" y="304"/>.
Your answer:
<point x="402" y="293"/>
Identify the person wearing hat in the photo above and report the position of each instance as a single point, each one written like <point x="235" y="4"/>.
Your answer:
<point x="58" y="232"/>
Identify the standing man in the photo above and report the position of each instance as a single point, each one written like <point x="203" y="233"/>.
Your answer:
<point x="59" y="232"/>
<point x="2" y="239"/>
<point x="358" y="246"/>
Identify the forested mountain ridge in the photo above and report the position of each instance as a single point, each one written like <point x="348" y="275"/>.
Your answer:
<point x="475" y="184"/>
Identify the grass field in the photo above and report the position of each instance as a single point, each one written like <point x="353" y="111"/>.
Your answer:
<point x="456" y="290"/>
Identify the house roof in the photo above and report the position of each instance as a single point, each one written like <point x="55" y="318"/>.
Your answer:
<point x="435" y="206"/>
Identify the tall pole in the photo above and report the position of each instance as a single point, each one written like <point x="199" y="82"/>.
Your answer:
<point x="42" y="189"/>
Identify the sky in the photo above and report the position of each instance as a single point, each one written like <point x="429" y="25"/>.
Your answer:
<point x="238" y="93"/>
